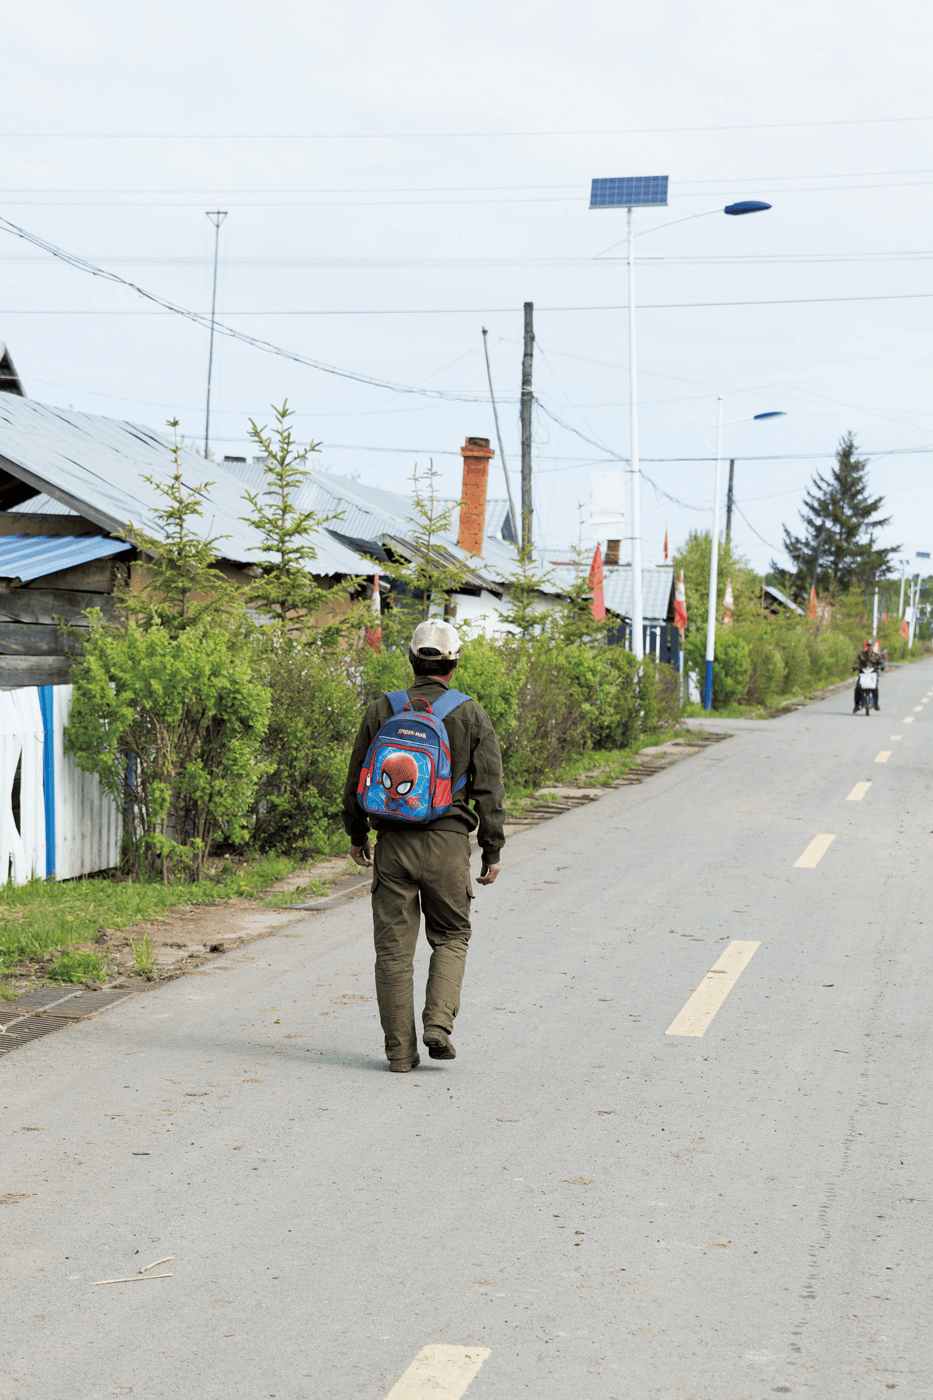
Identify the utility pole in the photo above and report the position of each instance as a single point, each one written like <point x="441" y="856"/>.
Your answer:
<point x="526" y="428"/>
<point x="216" y="217"/>
<point x="729" y="500"/>
<point x="495" y="414"/>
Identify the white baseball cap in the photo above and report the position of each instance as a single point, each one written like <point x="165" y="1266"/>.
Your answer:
<point x="435" y="640"/>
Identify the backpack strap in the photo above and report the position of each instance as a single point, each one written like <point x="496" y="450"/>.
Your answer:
<point x="398" y="699"/>
<point x="449" y="701"/>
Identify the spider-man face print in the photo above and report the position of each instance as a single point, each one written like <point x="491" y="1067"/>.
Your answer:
<point x="398" y="777"/>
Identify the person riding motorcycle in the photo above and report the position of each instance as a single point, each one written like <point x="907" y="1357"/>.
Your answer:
<point x="869" y="658"/>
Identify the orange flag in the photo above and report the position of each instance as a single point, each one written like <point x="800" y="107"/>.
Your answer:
<point x="680" y="603"/>
<point x="374" y="633"/>
<point x="813" y="610"/>
<point x="598" y="601"/>
<point x="728" y="605"/>
<point x="905" y="629"/>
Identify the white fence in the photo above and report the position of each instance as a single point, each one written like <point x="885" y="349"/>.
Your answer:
<point x="67" y="825"/>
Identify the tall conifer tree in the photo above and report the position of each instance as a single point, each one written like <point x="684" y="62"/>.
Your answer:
<point x="841" y="525"/>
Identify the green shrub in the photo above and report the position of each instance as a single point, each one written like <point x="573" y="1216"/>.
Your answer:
<point x="796" y="661"/>
<point x="172" y="726"/>
<point x="313" y="719"/>
<point x="731" y="668"/>
<point x="492" y="672"/>
<point x="766" y="672"/>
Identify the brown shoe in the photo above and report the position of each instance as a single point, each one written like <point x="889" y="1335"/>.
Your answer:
<point x="403" y="1066"/>
<point x="438" y="1042"/>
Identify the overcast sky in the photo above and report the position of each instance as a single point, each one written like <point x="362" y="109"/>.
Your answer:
<point x="398" y="176"/>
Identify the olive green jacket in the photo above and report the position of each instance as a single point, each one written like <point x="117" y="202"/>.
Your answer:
<point x="474" y="750"/>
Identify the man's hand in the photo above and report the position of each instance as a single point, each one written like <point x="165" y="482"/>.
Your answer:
<point x="488" y="874"/>
<point x="362" y="856"/>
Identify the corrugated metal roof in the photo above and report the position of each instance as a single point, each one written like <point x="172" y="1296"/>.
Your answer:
<point x="29" y="557"/>
<point x="371" y="515"/>
<point x="97" y="466"/>
<point x="42" y="505"/>
<point x="656" y="584"/>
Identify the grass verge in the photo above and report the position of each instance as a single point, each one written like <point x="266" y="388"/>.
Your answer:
<point x="42" y="917"/>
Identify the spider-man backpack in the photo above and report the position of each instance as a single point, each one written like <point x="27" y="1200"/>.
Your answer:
<point x="406" y="776"/>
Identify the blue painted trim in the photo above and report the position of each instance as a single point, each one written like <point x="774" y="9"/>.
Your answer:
<point x="708" y="687"/>
<point x="47" y="706"/>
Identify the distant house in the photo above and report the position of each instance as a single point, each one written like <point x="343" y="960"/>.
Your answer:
<point x="775" y="602"/>
<point x="10" y="382"/>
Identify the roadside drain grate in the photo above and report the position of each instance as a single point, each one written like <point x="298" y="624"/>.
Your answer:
<point x="40" y="1012"/>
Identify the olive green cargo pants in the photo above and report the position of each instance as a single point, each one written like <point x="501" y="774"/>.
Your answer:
<point x="425" y="870"/>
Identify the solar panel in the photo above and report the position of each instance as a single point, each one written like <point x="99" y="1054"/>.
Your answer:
<point x="628" y="192"/>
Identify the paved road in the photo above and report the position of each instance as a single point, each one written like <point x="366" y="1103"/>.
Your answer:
<point x="606" y="1209"/>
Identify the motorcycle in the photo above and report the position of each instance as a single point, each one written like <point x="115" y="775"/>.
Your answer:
<point x="866" y="689"/>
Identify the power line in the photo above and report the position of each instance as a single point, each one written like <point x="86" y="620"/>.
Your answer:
<point x="465" y="189"/>
<point x="436" y="135"/>
<point x="424" y="203"/>
<point x="678" y="260"/>
<point x="200" y="319"/>
<point x="737" y="507"/>
<point x="170" y="308"/>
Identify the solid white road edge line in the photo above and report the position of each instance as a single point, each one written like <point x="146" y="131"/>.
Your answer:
<point x="439" y="1373"/>
<point x="860" y="789"/>
<point x="884" y="755"/>
<point x="713" y="990"/>
<point x="816" y="850"/>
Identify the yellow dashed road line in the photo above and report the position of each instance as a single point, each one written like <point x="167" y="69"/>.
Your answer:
<point x="816" y="850"/>
<point x="860" y="789"/>
<point x="883" y="756"/>
<point x="713" y="990"/>
<point x="439" y="1373"/>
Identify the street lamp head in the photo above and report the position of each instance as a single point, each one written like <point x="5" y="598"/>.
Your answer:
<point x="775" y="413"/>
<point x="746" y="206"/>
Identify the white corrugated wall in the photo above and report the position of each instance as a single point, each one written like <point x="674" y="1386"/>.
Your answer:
<point x="88" y="828"/>
<point x="22" y="853"/>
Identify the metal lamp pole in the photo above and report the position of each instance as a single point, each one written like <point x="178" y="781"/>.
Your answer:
<point x="630" y="193"/>
<point x="713" y="568"/>
<point x="216" y="217"/>
<point x="714" y="546"/>
<point x="638" y="626"/>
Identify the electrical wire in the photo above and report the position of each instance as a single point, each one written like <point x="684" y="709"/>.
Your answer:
<point x="438" y="135"/>
<point x="170" y="309"/>
<point x="201" y="319"/>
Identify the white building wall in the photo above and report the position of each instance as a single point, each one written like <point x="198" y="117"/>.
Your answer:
<point x="88" y="828"/>
<point x="22" y="853"/>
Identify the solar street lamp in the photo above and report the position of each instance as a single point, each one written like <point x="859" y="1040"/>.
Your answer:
<point x="714" y="543"/>
<point x="639" y="192"/>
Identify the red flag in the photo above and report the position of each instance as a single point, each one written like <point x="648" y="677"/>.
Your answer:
<point x="665" y="545"/>
<point x="680" y="603"/>
<point x="813" y="610"/>
<point x="598" y="601"/>
<point x="374" y="633"/>
<point x="905" y="629"/>
<point x="728" y="605"/>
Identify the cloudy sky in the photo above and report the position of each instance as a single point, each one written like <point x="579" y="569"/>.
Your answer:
<point x="399" y="176"/>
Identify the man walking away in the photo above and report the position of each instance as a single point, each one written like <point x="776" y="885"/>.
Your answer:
<point x="400" y="786"/>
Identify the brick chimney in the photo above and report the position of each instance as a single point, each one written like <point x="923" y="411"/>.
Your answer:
<point x="476" y="454"/>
